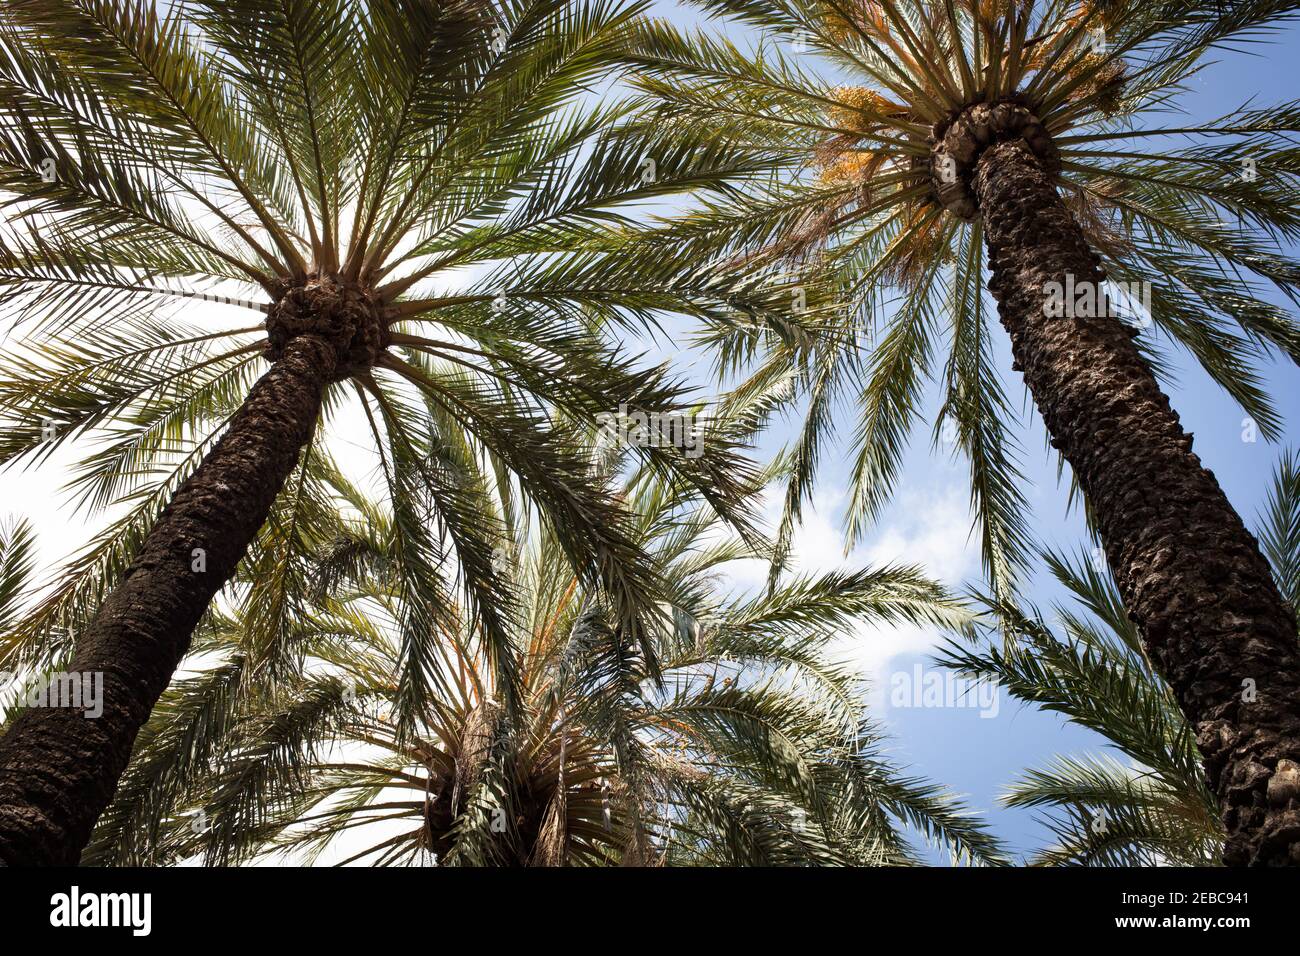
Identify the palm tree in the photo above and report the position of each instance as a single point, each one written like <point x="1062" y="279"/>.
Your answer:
<point x="751" y="747"/>
<point x="421" y="209"/>
<point x="1031" y="141"/>
<point x="1156" y="810"/>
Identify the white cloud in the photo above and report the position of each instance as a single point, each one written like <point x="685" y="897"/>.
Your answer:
<point x="928" y="527"/>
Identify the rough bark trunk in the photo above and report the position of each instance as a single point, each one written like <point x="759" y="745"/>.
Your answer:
<point x="1192" y="577"/>
<point x="58" y="767"/>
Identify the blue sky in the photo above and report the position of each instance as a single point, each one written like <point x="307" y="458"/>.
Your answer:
<point x="979" y="756"/>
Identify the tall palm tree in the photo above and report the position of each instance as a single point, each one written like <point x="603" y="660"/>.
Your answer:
<point x="752" y="747"/>
<point x="1032" y="141"/>
<point x="1156" y="810"/>
<point x="420" y="208"/>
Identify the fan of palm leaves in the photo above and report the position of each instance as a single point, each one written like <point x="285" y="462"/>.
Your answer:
<point x="445" y="157"/>
<point x="1155" y="809"/>
<point x="1202" y="210"/>
<point x="752" y="748"/>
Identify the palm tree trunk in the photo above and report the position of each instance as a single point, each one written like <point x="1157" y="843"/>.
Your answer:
<point x="58" y="767"/>
<point x="1192" y="577"/>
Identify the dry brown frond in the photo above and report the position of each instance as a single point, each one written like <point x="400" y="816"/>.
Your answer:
<point x="863" y="15"/>
<point x="922" y="241"/>
<point x="1097" y="216"/>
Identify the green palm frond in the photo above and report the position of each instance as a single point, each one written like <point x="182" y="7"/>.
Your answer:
<point x="1113" y="815"/>
<point x="17" y="564"/>
<point x="1279" y="528"/>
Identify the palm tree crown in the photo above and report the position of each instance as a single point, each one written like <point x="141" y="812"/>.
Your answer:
<point x="325" y="165"/>
<point x="876" y="146"/>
